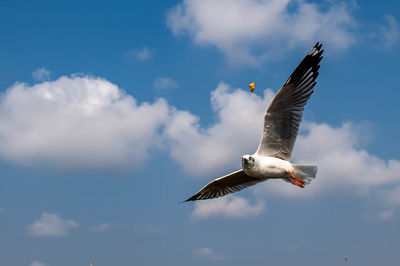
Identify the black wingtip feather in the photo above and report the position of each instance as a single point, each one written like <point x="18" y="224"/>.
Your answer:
<point x="192" y="198"/>
<point x="318" y="45"/>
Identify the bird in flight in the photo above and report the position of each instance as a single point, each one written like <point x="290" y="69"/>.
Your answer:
<point x="281" y="123"/>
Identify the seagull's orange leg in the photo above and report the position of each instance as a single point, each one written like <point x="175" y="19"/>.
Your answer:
<point x="296" y="183"/>
<point x="298" y="179"/>
<point x="300" y="182"/>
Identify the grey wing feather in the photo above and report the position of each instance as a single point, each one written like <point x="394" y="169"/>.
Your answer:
<point x="283" y="116"/>
<point x="225" y="185"/>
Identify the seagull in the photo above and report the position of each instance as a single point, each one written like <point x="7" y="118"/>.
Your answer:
<point x="281" y="123"/>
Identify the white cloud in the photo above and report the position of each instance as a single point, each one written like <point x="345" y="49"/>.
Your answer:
<point x="390" y="32"/>
<point x="141" y="55"/>
<point x="75" y="122"/>
<point x="219" y="146"/>
<point x="84" y="122"/>
<point x="88" y="122"/>
<point x="165" y="83"/>
<point x="228" y="206"/>
<point x="36" y="263"/>
<point x="240" y="27"/>
<point x="41" y="74"/>
<point x="100" y="228"/>
<point x="51" y="225"/>
<point x="207" y="253"/>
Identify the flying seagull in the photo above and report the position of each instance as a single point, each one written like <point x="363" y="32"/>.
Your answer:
<point x="281" y="123"/>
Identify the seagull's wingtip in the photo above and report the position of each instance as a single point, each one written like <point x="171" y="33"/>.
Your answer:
<point x="187" y="200"/>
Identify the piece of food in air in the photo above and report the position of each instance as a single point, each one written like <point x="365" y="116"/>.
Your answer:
<point x="252" y="86"/>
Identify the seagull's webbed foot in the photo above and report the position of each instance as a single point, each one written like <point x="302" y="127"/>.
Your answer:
<point x="300" y="182"/>
<point x="295" y="183"/>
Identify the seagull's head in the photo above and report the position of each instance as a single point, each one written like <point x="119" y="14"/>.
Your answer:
<point x="247" y="161"/>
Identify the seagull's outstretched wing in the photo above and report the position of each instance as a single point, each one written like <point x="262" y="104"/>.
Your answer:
<point x="284" y="114"/>
<point x="224" y="185"/>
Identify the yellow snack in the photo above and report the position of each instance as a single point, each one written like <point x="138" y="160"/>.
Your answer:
<point x="252" y="86"/>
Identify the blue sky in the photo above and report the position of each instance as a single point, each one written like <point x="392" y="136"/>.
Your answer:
<point x="112" y="112"/>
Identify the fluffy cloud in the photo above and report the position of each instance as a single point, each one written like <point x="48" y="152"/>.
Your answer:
<point x="77" y="122"/>
<point x="240" y="27"/>
<point x="51" y="225"/>
<point x="88" y="122"/>
<point x="207" y="253"/>
<point x="83" y="122"/>
<point x="228" y="206"/>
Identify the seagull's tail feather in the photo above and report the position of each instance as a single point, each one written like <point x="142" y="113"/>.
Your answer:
<point x="305" y="172"/>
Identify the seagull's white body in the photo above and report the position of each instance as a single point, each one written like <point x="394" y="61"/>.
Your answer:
<point x="281" y="123"/>
<point x="266" y="166"/>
